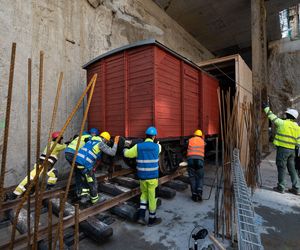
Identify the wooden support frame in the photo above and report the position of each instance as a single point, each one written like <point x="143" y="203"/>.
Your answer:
<point x="243" y="85"/>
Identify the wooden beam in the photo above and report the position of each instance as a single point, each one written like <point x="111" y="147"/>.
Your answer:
<point x="217" y="60"/>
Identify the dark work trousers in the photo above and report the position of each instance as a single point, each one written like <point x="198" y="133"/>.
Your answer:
<point x="78" y="177"/>
<point x="196" y="175"/>
<point x="90" y="181"/>
<point x="285" y="158"/>
<point x="297" y="162"/>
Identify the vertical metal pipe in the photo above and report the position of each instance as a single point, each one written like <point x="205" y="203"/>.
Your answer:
<point x="49" y="225"/>
<point x="25" y="196"/>
<point x="61" y="221"/>
<point x="28" y="146"/>
<point x="76" y="230"/>
<point x="94" y="79"/>
<point x="7" y="119"/>
<point x="38" y="145"/>
<point x="46" y="164"/>
<point x="40" y="96"/>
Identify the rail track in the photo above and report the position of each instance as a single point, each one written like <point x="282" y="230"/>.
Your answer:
<point x="118" y="187"/>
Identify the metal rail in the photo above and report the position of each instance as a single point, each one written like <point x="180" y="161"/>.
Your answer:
<point x="43" y="233"/>
<point x="55" y="192"/>
<point x="248" y="237"/>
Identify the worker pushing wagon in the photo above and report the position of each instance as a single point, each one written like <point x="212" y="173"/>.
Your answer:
<point x="147" y="157"/>
<point x="86" y="160"/>
<point x="70" y="153"/>
<point x="52" y="173"/>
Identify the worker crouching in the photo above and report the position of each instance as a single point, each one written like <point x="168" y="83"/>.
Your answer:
<point x="195" y="157"/>
<point x="147" y="157"/>
<point x="70" y="153"/>
<point x="86" y="161"/>
<point x="52" y="173"/>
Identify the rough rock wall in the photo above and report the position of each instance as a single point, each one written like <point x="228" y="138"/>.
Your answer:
<point x="71" y="33"/>
<point x="284" y="75"/>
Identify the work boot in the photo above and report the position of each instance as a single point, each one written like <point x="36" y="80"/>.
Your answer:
<point x="11" y="196"/>
<point x="49" y="186"/>
<point x="99" y="200"/>
<point x="141" y="219"/>
<point x="154" y="221"/>
<point x="83" y="199"/>
<point x="199" y="196"/>
<point x="279" y="190"/>
<point x="195" y="197"/>
<point x="294" y="191"/>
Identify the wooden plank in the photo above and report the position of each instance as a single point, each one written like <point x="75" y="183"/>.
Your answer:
<point x="244" y="87"/>
<point x="217" y="60"/>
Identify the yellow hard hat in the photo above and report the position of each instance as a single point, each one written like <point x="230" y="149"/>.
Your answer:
<point x="198" y="132"/>
<point x="105" y="135"/>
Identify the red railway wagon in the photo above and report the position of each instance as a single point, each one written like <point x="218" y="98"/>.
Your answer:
<point x="145" y="84"/>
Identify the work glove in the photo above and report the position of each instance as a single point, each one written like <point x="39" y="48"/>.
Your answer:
<point x="117" y="139"/>
<point x="127" y="143"/>
<point x="265" y="105"/>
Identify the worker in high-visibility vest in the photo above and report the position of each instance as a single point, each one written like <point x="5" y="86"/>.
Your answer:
<point x="70" y="152"/>
<point x="52" y="173"/>
<point x="147" y="157"/>
<point x="195" y="158"/>
<point x="287" y="138"/>
<point x="86" y="160"/>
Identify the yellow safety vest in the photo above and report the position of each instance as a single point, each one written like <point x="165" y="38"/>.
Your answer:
<point x="287" y="131"/>
<point x="55" y="153"/>
<point x="73" y="143"/>
<point x="96" y="150"/>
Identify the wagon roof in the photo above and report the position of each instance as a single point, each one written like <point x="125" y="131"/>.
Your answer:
<point x="139" y="44"/>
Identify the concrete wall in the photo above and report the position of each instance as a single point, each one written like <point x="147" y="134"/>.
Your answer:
<point x="284" y="74"/>
<point x="71" y="33"/>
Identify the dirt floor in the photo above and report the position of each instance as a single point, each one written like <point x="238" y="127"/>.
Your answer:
<point x="277" y="218"/>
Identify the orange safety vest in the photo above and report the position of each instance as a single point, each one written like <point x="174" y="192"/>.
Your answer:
<point x="196" y="147"/>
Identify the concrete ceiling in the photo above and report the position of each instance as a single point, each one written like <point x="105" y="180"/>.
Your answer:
<point x="224" y="27"/>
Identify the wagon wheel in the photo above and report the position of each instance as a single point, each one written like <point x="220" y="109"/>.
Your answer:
<point x="130" y="162"/>
<point x="168" y="161"/>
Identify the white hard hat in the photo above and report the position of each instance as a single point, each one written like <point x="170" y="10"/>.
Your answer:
<point x="292" y="112"/>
